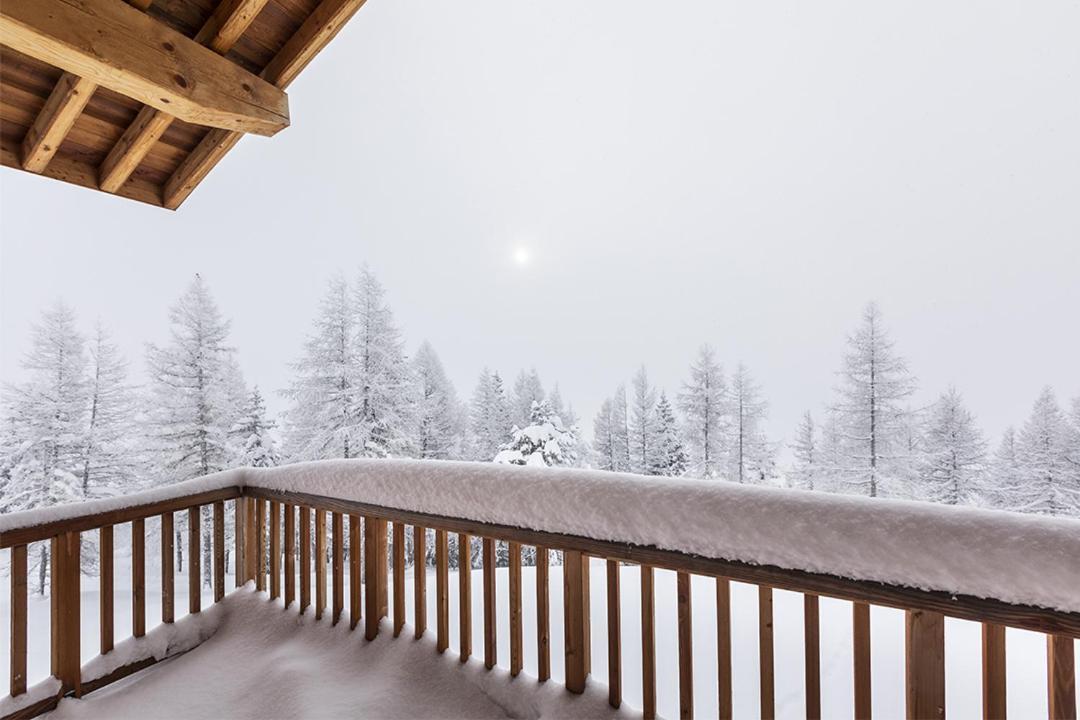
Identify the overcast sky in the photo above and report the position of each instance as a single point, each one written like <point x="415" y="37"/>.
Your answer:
<point x="746" y="174"/>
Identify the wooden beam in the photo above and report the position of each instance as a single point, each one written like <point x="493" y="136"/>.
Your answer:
<point x="925" y="663"/>
<point x="1061" y="677"/>
<point x="318" y="30"/>
<point x="231" y="19"/>
<point x="114" y="45"/>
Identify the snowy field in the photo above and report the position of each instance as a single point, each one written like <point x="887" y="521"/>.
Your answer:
<point x="1026" y="658"/>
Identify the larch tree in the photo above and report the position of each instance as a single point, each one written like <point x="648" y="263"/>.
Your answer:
<point x="527" y="390"/>
<point x="670" y="458"/>
<point x="252" y="434"/>
<point x="806" y="467"/>
<point x="748" y="450"/>
<point x="620" y="425"/>
<point x="1003" y="487"/>
<point x="489" y="417"/>
<point x="110" y="462"/>
<point x="703" y="404"/>
<point x="871" y="407"/>
<point x="953" y="465"/>
<point x="604" y="445"/>
<point x="1050" y="481"/>
<point x="642" y="432"/>
<point x="439" y="416"/>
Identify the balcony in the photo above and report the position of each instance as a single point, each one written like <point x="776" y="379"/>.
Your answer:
<point x="647" y="597"/>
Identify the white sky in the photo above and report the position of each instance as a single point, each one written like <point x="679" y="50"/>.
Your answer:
<point x="747" y="174"/>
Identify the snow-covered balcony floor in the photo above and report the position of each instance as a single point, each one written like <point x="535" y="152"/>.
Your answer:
<point x="263" y="662"/>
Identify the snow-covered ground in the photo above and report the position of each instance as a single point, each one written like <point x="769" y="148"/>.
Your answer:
<point x="275" y="655"/>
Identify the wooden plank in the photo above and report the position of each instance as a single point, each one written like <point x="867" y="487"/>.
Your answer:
<point x="1061" y="677"/>
<point x="960" y="606"/>
<point x="17" y="662"/>
<point x="275" y="550"/>
<point x="238" y="537"/>
<point x="219" y="550"/>
<point x="57" y="116"/>
<point x="260" y="544"/>
<point x="543" y="615"/>
<point x="66" y="615"/>
<point x="812" y="658"/>
<point x="723" y="648"/>
<point x="318" y="30"/>
<point x="114" y="45"/>
<point x="290" y="554"/>
<point x="105" y="588"/>
<point x="491" y="647"/>
<point x="92" y="521"/>
<point x="648" y="642"/>
<point x="684" y="604"/>
<point x="860" y="622"/>
<point x="993" y="672"/>
<point x="355" y="577"/>
<point x="168" y="573"/>
<point x="399" y="578"/>
<point x="374" y="569"/>
<point x="251" y="539"/>
<point x="194" y="560"/>
<point x="337" y="523"/>
<point x="516" y="634"/>
<point x="381" y="574"/>
<point x="220" y="32"/>
<point x="320" y="562"/>
<point x="614" y="634"/>
<point x="925" y="674"/>
<point x="464" y="597"/>
<point x="419" y="580"/>
<point x="442" y="583"/>
<point x="574" y="624"/>
<point x="305" y="558"/>
<point x="765" y="652"/>
<point x="138" y="577"/>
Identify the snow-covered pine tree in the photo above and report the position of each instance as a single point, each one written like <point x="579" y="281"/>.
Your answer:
<point x="489" y="417"/>
<point x="541" y="443"/>
<point x="527" y="390"/>
<point x="806" y="454"/>
<point x="831" y="457"/>
<point x="196" y="396"/>
<point x="110" y="463"/>
<point x="670" y="457"/>
<point x="620" y="427"/>
<point x="604" y="437"/>
<point x="703" y="404"/>
<point x="578" y="455"/>
<point x="748" y="450"/>
<point x="643" y="449"/>
<point x="384" y="378"/>
<point x="252" y="435"/>
<point x="874" y="387"/>
<point x="440" y="417"/>
<point x="954" y="462"/>
<point x="1049" y="480"/>
<point x="1003" y="485"/>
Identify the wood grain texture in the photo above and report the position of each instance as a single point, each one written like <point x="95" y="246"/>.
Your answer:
<point x="812" y="655"/>
<point x="305" y="558"/>
<point x="17" y="658"/>
<point x="290" y="553"/>
<point x="356" y="599"/>
<point x="138" y="577"/>
<point x="374" y="573"/>
<point x="320" y="562"/>
<point x="238" y="538"/>
<point x="260" y="544"/>
<point x="543" y="614"/>
<point x="251" y="539"/>
<point x="464" y="597"/>
<point x="574" y="623"/>
<point x="419" y="580"/>
<point x="1061" y="677"/>
<point x="337" y="523"/>
<point x="648" y="642"/>
<point x="442" y="591"/>
<point x="614" y="633"/>
<point x="194" y="560"/>
<point x="219" y="550"/>
<point x="399" y="578"/>
<point x="65" y="602"/>
<point x="924" y="641"/>
<point x="860" y="640"/>
<point x="61" y="110"/>
<point x="275" y="550"/>
<point x="766" y="665"/>
<point x="168" y="572"/>
<point x="517" y="652"/>
<point x="684" y="611"/>
<point x="993" y="672"/>
<point x="723" y="648"/>
<point x="491" y="646"/>
<point x="106" y="617"/>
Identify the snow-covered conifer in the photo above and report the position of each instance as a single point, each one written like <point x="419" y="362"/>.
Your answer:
<point x="541" y="443"/>
<point x="703" y="404"/>
<point x="527" y="390"/>
<point x="806" y="468"/>
<point x="1049" y="480"/>
<point x="643" y="446"/>
<point x="749" y="453"/>
<point x="489" y="417"/>
<point x="604" y="437"/>
<point x="110" y="461"/>
<point x="1003" y="486"/>
<point x="954" y="462"/>
<point x="620" y="427"/>
<point x="439" y="416"/>
<point x="252" y="437"/>
<point x="670" y="458"/>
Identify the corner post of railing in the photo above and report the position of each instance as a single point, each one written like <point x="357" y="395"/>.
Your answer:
<point x="1061" y="676"/>
<point x="251" y="553"/>
<point x="375" y="575"/>
<point x="576" y="619"/>
<point x="925" y="661"/>
<point x="66" y="661"/>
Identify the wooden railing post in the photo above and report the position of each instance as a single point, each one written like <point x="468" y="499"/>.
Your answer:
<point x="355" y="577"/>
<point x="648" y="642"/>
<point x="860" y="634"/>
<point x="168" y="576"/>
<point x="1061" y="677"/>
<point x="766" y="663"/>
<point x="812" y="655"/>
<point x="442" y="582"/>
<point x="337" y="553"/>
<point x="464" y="595"/>
<point x="723" y="648"/>
<point x="374" y="574"/>
<point x="686" y="646"/>
<point x="543" y="615"/>
<point x="194" y="560"/>
<point x="260" y="545"/>
<point x="575" y="623"/>
<point x="138" y="577"/>
<point x="66" y="661"/>
<point x="320" y="563"/>
<point x="251" y="539"/>
<point x="614" y="625"/>
<point x="305" y="558"/>
<point x="491" y="646"/>
<point x="275" y="550"/>
<point x="993" y="671"/>
<point x="419" y="580"/>
<point x="925" y="675"/>
<point x="290" y="554"/>
<point x="239" y="535"/>
<point x="399" y="578"/>
<point x="105" y="588"/>
<point x="516" y="633"/>
<point x="18" y="620"/>
<point x="219" y="550"/>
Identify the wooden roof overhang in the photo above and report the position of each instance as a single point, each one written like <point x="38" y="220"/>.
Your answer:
<point x="142" y="98"/>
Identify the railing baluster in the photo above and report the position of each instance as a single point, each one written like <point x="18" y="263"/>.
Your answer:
<point x="219" y="550"/>
<point x="516" y="635"/>
<point x="464" y="597"/>
<point x="305" y="558"/>
<point x="238" y="537"/>
<point x="648" y="642"/>
<point x="337" y="523"/>
<point x="575" y="624"/>
<point x="614" y="632"/>
<point x="723" y="648"/>
<point x="374" y="574"/>
<point x="18" y="620"/>
<point x="105" y="588"/>
<point x="442" y="582"/>
<point x="860" y="626"/>
<point x="194" y="560"/>
<point x="765" y="652"/>
<point x="1061" y="674"/>
<point x="251" y="540"/>
<point x="320" y="562"/>
<point x="138" y="577"/>
<point x="355" y="578"/>
<point x="543" y="615"/>
<point x="290" y="554"/>
<point x="168" y="574"/>
<point x="420" y="579"/>
<point x="684" y="601"/>
<point x="993" y="671"/>
<point x="925" y="674"/>
<point x="275" y="550"/>
<point x="260" y="544"/>
<point x="812" y="649"/>
<point x="491" y="648"/>
<point x="399" y="577"/>
<point x="65" y="612"/>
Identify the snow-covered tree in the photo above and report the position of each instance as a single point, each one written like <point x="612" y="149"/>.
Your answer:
<point x="643" y="446"/>
<point x="541" y="443"/>
<point x="1003" y="487"/>
<point x="110" y="462"/>
<point x="954" y="462"/>
<point x="703" y="404"/>
<point x="871" y="408"/>
<point x="749" y="452"/>
<point x="604" y="437"/>
<point x="489" y="417"/>
<point x="253" y="441"/>
<point x="620" y="426"/>
<point x="1050" y="481"/>
<point x="670" y="458"/>
<point x="439" y="415"/>
<point x="806" y="468"/>
<point x="527" y="390"/>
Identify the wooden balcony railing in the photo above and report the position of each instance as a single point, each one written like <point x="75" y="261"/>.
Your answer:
<point x="267" y="523"/>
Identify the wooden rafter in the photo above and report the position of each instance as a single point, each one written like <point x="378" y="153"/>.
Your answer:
<point x="115" y="45"/>
<point x="59" y="114"/>
<point x="318" y="30"/>
<point x="231" y="19"/>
